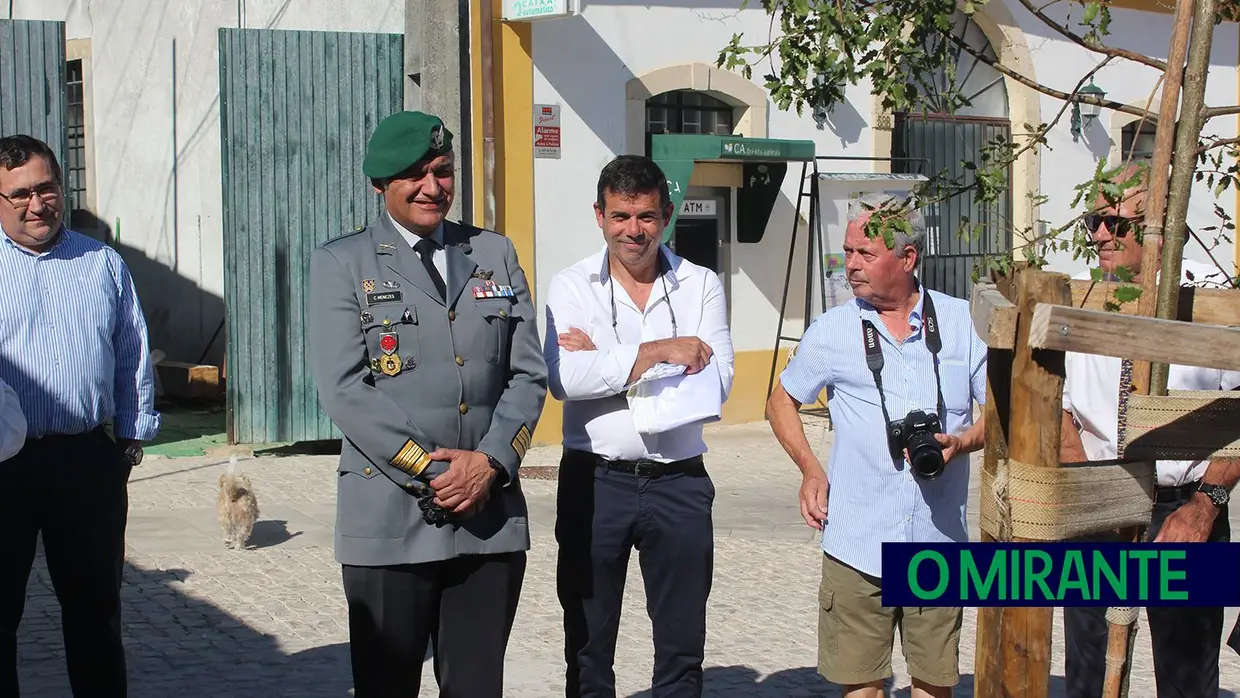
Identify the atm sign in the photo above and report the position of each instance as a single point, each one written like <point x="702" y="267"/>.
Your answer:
<point x="698" y="207"/>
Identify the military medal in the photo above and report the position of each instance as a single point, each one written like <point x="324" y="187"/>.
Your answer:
<point x="390" y="365"/>
<point x="388" y="342"/>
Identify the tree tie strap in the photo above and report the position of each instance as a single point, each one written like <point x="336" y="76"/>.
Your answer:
<point x="1020" y="500"/>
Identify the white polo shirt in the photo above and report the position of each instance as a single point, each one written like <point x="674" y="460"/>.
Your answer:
<point x="593" y="383"/>
<point x="1091" y="393"/>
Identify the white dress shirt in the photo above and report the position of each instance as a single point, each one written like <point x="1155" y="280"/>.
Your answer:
<point x="1091" y="393"/>
<point x="12" y="423"/>
<point x="594" y="383"/>
<point x="439" y="258"/>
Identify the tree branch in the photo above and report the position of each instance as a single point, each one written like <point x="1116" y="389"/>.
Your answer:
<point x="1050" y="92"/>
<point x="1211" y="112"/>
<point x="1217" y="143"/>
<point x="1080" y="41"/>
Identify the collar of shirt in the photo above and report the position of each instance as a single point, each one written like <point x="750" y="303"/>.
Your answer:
<point x="62" y="240"/>
<point x="413" y="238"/>
<point x="438" y="257"/>
<point x="915" y="316"/>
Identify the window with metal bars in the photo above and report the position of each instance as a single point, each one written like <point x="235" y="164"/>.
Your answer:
<point x="75" y="154"/>
<point x="687" y="111"/>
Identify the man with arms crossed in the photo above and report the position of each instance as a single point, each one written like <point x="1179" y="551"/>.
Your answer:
<point x="629" y="308"/>
<point x="925" y="352"/>
<point x="1191" y="497"/>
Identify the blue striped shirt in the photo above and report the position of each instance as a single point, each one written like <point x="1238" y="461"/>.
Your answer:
<point x="874" y="498"/>
<point x="73" y="342"/>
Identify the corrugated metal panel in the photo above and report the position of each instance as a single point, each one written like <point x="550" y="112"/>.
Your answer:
<point x="296" y="109"/>
<point x="32" y="81"/>
<point x="952" y="252"/>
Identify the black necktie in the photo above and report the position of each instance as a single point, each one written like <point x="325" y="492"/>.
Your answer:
<point x="426" y="249"/>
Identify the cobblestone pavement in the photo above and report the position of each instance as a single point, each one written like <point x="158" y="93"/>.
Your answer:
<point x="201" y="620"/>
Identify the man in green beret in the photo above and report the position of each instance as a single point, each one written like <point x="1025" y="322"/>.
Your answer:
<point x="427" y="357"/>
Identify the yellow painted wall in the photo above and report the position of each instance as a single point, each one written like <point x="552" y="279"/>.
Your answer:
<point x="747" y="403"/>
<point x="513" y="68"/>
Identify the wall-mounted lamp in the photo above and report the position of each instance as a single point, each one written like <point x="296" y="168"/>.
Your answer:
<point x="820" y="110"/>
<point x="1084" y="114"/>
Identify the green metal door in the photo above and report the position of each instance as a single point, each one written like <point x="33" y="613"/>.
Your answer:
<point x="296" y="109"/>
<point x="32" y="82"/>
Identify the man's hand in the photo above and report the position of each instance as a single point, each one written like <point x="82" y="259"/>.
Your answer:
<point x="1190" y="523"/>
<point x="815" y="490"/>
<point x="575" y="340"/>
<point x="690" y="352"/>
<point x="467" y="484"/>
<point x="951" y="446"/>
<point x="125" y="445"/>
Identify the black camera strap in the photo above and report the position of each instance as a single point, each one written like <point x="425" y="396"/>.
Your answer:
<point x="874" y="354"/>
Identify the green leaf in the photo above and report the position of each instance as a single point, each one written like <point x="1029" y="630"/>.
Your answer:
<point x="1127" y="294"/>
<point x="1091" y="13"/>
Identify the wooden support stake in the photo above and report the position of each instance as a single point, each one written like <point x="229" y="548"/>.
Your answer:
<point x="1014" y="644"/>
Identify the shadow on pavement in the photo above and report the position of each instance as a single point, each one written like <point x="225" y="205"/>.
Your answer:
<point x="805" y="681"/>
<point x="269" y="532"/>
<point x="745" y="681"/>
<point x="178" y="645"/>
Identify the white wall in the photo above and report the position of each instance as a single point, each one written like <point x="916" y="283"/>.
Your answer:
<point x="179" y="272"/>
<point x="584" y="63"/>
<point x="1060" y="65"/>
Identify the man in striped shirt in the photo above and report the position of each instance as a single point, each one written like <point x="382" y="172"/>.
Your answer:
<point x="73" y="345"/>
<point x="894" y="349"/>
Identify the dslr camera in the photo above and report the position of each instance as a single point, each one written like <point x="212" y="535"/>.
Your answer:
<point x="916" y="433"/>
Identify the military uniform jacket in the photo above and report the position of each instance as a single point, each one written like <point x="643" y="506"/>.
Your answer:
<point x="471" y="376"/>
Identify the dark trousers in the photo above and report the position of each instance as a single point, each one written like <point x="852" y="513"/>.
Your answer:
<point x="74" y="490"/>
<point x="601" y="514"/>
<point x="463" y="607"/>
<point x="1185" y="641"/>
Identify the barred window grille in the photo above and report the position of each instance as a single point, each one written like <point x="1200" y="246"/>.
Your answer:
<point x="75" y="156"/>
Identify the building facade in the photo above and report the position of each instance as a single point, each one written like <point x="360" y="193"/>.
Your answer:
<point x="148" y="158"/>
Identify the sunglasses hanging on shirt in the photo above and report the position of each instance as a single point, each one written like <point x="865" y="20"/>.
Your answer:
<point x="664" y="267"/>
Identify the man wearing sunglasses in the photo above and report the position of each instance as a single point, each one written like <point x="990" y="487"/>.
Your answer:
<point x="1191" y="496"/>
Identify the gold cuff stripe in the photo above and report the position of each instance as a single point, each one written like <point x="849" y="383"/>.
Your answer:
<point x="521" y="442"/>
<point x="411" y="458"/>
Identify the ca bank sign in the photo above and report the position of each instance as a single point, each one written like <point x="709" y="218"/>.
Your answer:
<point x="530" y="10"/>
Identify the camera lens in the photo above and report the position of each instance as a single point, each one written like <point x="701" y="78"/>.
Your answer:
<point x="926" y="456"/>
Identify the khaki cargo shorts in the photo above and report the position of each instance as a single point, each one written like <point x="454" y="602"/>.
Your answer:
<point x="856" y="633"/>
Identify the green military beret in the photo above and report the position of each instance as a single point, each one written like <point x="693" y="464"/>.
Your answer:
<point x="403" y="139"/>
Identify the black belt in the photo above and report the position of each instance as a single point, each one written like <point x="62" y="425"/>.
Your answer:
<point x="1176" y="494"/>
<point x="643" y="467"/>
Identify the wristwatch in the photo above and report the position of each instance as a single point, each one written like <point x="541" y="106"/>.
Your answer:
<point x="1219" y="496"/>
<point x="501" y="473"/>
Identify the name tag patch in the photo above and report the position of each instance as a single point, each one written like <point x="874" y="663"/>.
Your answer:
<point x="384" y="297"/>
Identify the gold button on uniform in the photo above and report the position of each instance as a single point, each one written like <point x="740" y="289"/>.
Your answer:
<point x="460" y="361"/>
<point x="464" y="408"/>
<point x="451" y="316"/>
<point x="503" y="313"/>
<point x="366" y="470"/>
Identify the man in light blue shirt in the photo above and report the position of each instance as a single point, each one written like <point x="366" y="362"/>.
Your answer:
<point x="73" y="346"/>
<point x="877" y="492"/>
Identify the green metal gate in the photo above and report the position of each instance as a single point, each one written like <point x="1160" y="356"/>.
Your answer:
<point x="952" y="250"/>
<point x="32" y="82"/>
<point x="296" y="109"/>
